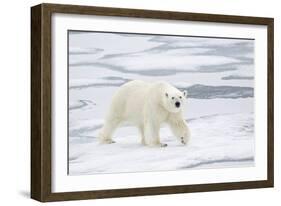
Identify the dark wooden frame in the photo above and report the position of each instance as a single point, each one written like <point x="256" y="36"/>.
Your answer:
<point x="41" y="101"/>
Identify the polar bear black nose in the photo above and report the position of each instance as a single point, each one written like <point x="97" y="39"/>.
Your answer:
<point x="178" y="104"/>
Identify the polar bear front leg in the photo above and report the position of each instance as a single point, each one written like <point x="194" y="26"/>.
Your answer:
<point x="151" y="134"/>
<point x="180" y="129"/>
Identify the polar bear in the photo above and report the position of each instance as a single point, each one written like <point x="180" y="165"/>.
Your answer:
<point x="147" y="106"/>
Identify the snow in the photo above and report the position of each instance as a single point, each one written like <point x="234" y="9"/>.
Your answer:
<point x="176" y="61"/>
<point x="219" y="111"/>
<point x="208" y="147"/>
<point x="82" y="83"/>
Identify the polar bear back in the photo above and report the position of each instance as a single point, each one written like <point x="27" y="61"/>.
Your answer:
<point x="129" y="100"/>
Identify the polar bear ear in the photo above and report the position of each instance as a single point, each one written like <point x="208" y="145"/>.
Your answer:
<point x="185" y="93"/>
<point x="166" y="94"/>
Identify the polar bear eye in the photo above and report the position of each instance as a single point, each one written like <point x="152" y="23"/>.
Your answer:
<point x="180" y="97"/>
<point x="173" y="97"/>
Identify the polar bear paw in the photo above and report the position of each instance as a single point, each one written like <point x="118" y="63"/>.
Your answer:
<point x="184" y="140"/>
<point x="110" y="141"/>
<point x="158" y="145"/>
<point x="163" y="145"/>
<point x="107" y="141"/>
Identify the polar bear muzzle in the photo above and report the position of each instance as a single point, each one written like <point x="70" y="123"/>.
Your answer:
<point x="177" y="104"/>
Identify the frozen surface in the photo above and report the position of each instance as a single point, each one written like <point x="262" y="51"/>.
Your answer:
<point x="218" y="74"/>
<point x="213" y="144"/>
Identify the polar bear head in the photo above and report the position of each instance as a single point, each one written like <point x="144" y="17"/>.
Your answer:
<point x="173" y="99"/>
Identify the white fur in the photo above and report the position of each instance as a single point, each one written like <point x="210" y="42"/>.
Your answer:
<point x="147" y="106"/>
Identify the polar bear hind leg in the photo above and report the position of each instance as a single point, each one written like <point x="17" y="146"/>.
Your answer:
<point x="105" y="135"/>
<point x="141" y="131"/>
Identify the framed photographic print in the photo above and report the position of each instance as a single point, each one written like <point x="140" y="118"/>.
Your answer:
<point x="130" y="102"/>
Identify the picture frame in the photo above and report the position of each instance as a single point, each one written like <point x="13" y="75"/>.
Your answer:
<point x="42" y="87"/>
